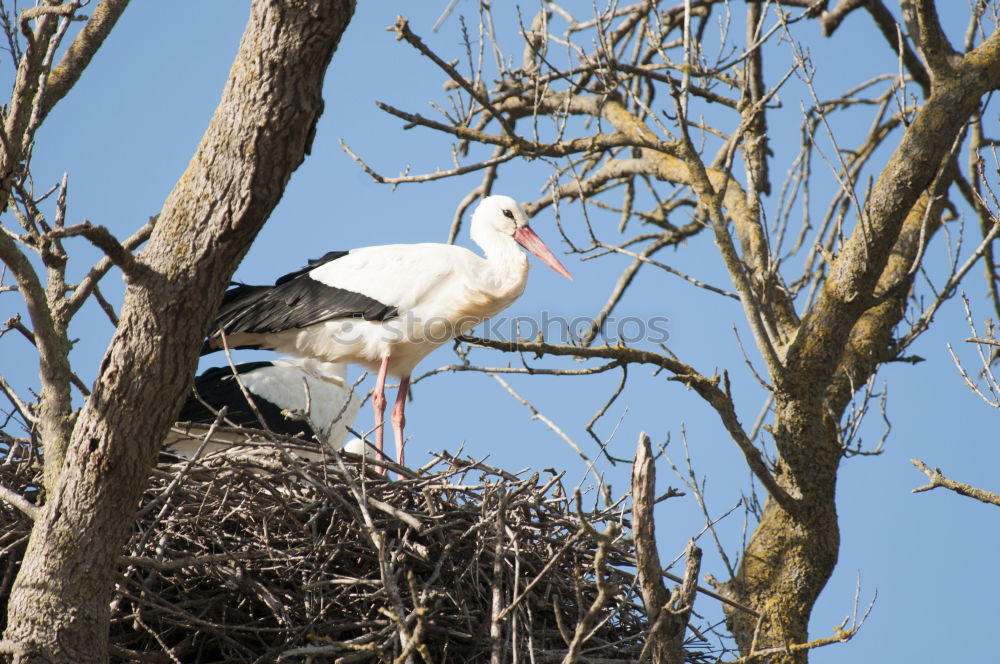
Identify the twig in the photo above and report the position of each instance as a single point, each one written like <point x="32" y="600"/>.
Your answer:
<point x="496" y="644"/>
<point x="981" y="340"/>
<point x="707" y="388"/>
<point x="541" y="574"/>
<point x="427" y="177"/>
<point x="939" y="480"/>
<point x="536" y="415"/>
<point x="402" y="30"/>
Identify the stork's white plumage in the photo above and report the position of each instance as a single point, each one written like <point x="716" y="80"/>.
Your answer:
<point x="304" y="398"/>
<point x="387" y="307"/>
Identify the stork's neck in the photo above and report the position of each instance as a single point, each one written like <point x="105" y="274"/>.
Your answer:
<point x="507" y="265"/>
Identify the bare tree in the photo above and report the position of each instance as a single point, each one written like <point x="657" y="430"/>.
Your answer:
<point x="645" y="127"/>
<point x="97" y="459"/>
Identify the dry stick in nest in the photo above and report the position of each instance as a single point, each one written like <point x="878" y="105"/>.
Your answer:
<point x="496" y="645"/>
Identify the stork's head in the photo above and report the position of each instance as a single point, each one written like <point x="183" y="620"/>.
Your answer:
<point x="502" y="216"/>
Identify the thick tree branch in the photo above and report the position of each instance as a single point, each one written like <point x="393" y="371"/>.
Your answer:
<point x="929" y="36"/>
<point x="50" y="338"/>
<point x="80" y="52"/>
<point x="24" y="102"/>
<point x="683" y="604"/>
<point x="831" y="19"/>
<point x="887" y="25"/>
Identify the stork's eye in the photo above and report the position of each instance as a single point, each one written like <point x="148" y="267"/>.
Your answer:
<point x="508" y="214"/>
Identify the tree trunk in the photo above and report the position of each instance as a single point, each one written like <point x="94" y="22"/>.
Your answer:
<point x="840" y="344"/>
<point x="792" y="552"/>
<point x="58" y="610"/>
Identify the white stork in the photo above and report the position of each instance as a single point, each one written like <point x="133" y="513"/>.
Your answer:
<point x="387" y="307"/>
<point x="308" y="399"/>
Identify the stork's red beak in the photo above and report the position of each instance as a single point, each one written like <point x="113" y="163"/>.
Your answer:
<point x="528" y="239"/>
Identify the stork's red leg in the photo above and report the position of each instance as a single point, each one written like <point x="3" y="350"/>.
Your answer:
<point x="399" y="417"/>
<point x="378" y="404"/>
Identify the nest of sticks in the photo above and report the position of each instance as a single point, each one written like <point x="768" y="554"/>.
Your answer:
<point x="263" y="557"/>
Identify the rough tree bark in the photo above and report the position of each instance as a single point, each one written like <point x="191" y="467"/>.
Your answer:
<point x="58" y="610"/>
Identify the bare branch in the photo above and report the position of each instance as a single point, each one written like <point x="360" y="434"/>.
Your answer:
<point x="23" y="408"/>
<point x="20" y="502"/>
<point x="81" y="51"/>
<point x="949" y="289"/>
<point x="641" y="258"/>
<point x="654" y="594"/>
<point x="536" y="415"/>
<point x="427" y="177"/>
<point x="89" y="283"/>
<point x="102" y="238"/>
<point x="738" y="272"/>
<point x="522" y="146"/>
<point x="925" y="29"/>
<point x="46" y="10"/>
<point x="402" y="30"/>
<point x="886" y="23"/>
<point x="707" y="388"/>
<point x="15" y="323"/>
<point x="624" y="281"/>
<point x="939" y="480"/>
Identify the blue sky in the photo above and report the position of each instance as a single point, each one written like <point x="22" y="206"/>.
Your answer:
<point x="127" y="131"/>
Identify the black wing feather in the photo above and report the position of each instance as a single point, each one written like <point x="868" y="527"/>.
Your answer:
<point x="295" y="301"/>
<point x="217" y="387"/>
<point x="312" y="263"/>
